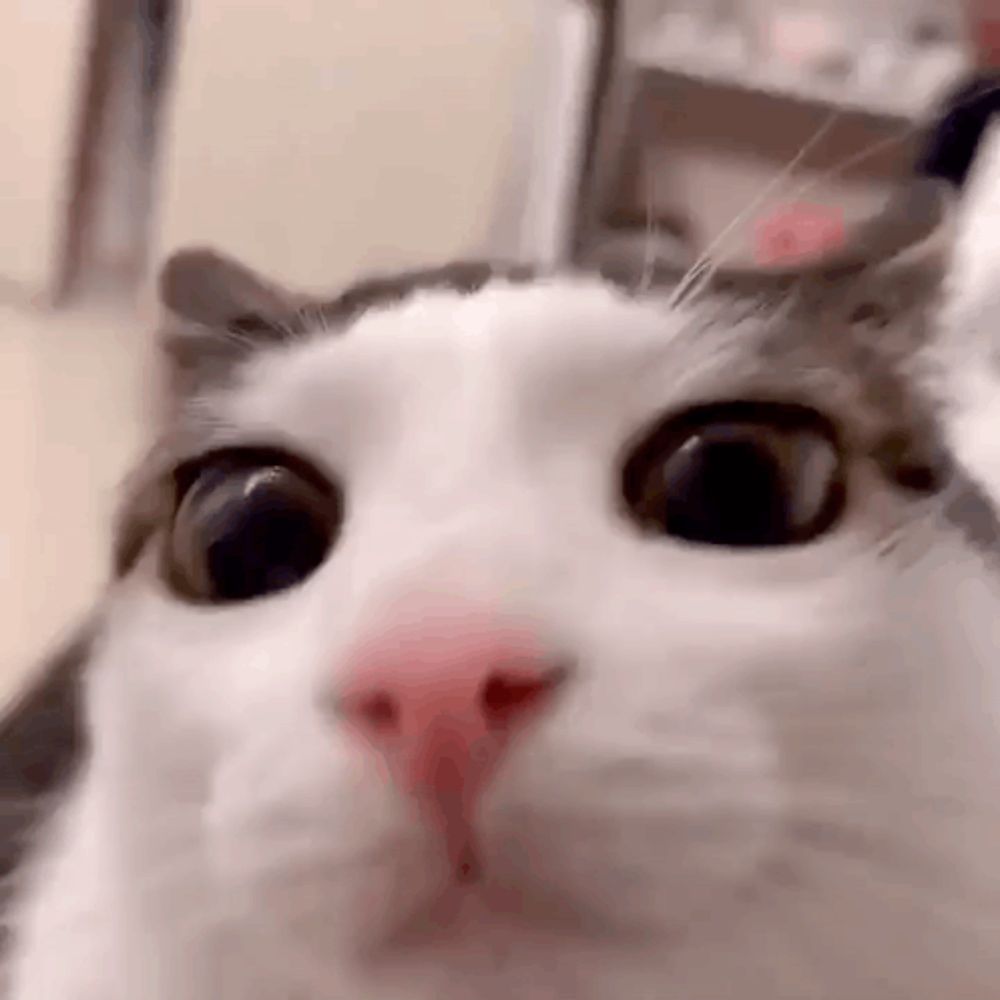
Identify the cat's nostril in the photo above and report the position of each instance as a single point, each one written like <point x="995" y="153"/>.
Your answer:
<point x="506" y="697"/>
<point x="407" y="693"/>
<point x="378" y="713"/>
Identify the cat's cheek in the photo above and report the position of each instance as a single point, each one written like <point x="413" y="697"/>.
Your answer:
<point x="302" y="833"/>
<point x="642" y="811"/>
<point x="212" y="669"/>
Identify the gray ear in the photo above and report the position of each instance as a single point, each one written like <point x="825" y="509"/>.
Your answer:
<point x="200" y="285"/>
<point x="918" y="215"/>
<point x="913" y="232"/>
<point x="217" y="311"/>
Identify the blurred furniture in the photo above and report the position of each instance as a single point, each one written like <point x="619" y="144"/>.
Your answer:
<point x="693" y="107"/>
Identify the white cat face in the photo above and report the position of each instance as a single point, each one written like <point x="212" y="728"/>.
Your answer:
<point x="736" y="720"/>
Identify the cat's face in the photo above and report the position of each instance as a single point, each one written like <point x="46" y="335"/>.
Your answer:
<point x="722" y="519"/>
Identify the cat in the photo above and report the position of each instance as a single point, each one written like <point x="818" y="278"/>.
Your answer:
<point x="481" y="633"/>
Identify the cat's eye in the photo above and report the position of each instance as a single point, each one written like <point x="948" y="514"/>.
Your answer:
<point x="742" y="474"/>
<point x="249" y="524"/>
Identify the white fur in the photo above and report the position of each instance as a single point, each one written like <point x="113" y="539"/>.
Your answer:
<point x="971" y="344"/>
<point x="774" y="776"/>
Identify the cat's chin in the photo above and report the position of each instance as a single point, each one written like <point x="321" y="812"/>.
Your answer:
<point x="491" y="906"/>
<point x="506" y="906"/>
<point x="468" y="927"/>
<point x="569" y="873"/>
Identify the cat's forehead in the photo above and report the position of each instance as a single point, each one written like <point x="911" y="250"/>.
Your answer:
<point x="435" y="366"/>
<point x="840" y="347"/>
<point x="436" y="340"/>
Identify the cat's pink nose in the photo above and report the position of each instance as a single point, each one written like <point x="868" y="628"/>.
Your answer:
<point x="438" y="701"/>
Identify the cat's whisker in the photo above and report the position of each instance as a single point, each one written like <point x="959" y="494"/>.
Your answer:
<point x="238" y="339"/>
<point x="773" y="184"/>
<point x="651" y="255"/>
<point x="706" y="268"/>
<point x="880" y="146"/>
<point x="311" y="320"/>
<point x="320" y="324"/>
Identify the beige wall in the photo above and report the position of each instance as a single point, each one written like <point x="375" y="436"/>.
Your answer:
<point x="316" y="138"/>
<point x="72" y="414"/>
<point x="43" y="44"/>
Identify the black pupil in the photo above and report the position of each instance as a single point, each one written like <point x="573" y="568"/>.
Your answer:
<point x="264" y="536"/>
<point x="739" y="474"/>
<point x="729" y="490"/>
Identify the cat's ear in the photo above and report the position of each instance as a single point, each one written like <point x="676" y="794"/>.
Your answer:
<point x="915" y="226"/>
<point x="205" y="287"/>
<point x="217" y="310"/>
<point x="909" y="241"/>
<point x="898" y="262"/>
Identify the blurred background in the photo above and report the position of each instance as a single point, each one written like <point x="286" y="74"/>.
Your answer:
<point x="320" y="140"/>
